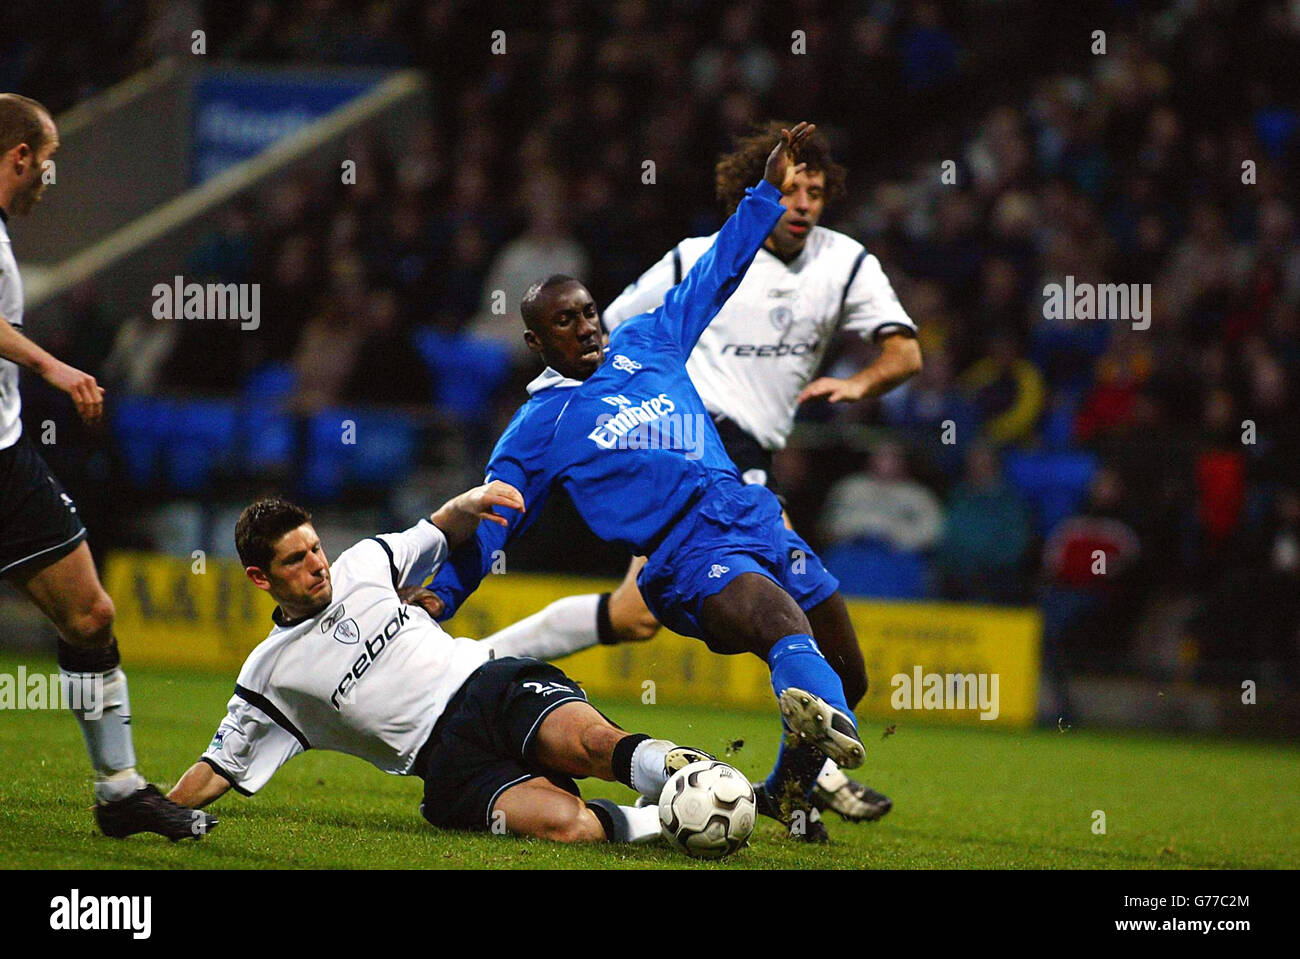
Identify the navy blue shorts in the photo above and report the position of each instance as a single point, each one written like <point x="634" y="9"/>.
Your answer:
<point x="481" y="745"/>
<point x="733" y="529"/>
<point x="38" y="520"/>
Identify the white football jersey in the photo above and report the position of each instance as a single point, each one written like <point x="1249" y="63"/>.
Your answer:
<point x="367" y="676"/>
<point x="767" y="342"/>
<point x="11" y="311"/>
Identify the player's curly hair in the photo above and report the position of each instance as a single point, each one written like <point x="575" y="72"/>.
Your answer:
<point x="745" y="164"/>
<point x="260" y="527"/>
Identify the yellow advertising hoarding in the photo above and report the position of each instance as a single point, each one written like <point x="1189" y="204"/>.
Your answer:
<point x="169" y="612"/>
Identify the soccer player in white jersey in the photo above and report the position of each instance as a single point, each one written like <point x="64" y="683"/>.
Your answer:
<point x="753" y="366"/>
<point x="43" y="550"/>
<point x="350" y="667"/>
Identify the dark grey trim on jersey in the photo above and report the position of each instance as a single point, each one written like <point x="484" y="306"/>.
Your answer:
<point x="677" y="265"/>
<point x="889" y="329"/>
<point x="392" y="563"/>
<point x="853" y="275"/>
<point x="268" y="707"/>
<point x="224" y="774"/>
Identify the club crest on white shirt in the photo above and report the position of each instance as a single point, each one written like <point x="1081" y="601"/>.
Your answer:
<point x="347" y="632"/>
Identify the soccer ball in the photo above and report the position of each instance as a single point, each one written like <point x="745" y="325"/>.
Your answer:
<point x="707" y="809"/>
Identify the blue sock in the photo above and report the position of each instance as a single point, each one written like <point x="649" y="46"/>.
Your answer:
<point x="796" y="661"/>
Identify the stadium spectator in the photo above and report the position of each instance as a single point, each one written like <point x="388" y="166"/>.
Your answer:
<point x="981" y="556"/>
<point x="543" y="249"/>
<point x="1091" y="586"/>
<point x="881" y="524"/>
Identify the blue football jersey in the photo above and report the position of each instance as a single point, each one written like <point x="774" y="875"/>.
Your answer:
<point x="633" y="444"/>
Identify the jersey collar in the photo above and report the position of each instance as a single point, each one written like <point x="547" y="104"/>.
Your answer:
<point x="277" y="617"/>
<point x="548" y="379"/>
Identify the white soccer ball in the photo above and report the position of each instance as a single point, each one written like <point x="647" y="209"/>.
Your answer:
<point x="707" y="809"/>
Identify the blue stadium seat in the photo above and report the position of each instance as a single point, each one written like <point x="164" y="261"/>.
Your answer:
<point x="383" y="453"/>
<point x="466" y="370"/>
<point x="1053" y="483"/>
<point x="270" y="381"/>
<point x="869" y="568"/>
<point x="203" y="435"/>
<point x="269" y="432"/>
<point x="140" y="426"/>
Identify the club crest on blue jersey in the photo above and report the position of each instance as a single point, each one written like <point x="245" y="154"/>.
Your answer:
<point x="347" y="632"/>
<point x="621" y="362"/>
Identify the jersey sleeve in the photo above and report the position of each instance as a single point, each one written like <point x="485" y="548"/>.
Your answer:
<point x="415" y="554"/>
<point x="871" y="307"/>
<point x="457" y="578"/>
<point x="249" y="746"/>
<point x="691" y="305"/>
<point x="647" y="293"/>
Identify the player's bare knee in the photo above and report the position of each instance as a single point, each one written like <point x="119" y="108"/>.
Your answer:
<point x="636" y="627"/>
<point x="576" y="823"/>
<point x="93" y="625"/>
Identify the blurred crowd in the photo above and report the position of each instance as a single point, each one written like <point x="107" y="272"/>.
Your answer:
<point x="994" y="148"/>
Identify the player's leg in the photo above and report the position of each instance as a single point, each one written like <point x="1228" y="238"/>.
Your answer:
<point x="839" y="643"/>
<point x="69" y="593"/>
<point x="817" y="593"/>
<point x="575" y="623"/>
<point x="838" y="639"/>
<point x="566" y="626"/>
<point x="575" y="740"/>
<point x="537" y="807"/>
<point x="630" y="619"/>
<point x="752" y="613"/>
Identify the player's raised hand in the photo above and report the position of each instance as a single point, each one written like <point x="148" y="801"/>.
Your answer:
<point x="87" y="395"/>
<point x="833" y="390"/>
<point x="480" y="500"/>
<point x="459" y="517"/>
<point x="426" y="599"/>
<point x="781" y="163"/>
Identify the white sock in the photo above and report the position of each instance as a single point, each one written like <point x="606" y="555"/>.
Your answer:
<point x="103" y="710"/>
<point x="831" y="777"/>
<point x="648" y="776"/>
<point x="564" y="627"/>
<point x="631" y="824"/>
<point x="118" y="785"/>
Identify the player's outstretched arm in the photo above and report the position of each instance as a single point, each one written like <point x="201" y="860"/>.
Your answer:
<point x="87" y="395"/>
<point x="690" y="306"/>
<point x="459" y="517"/>
<point x="199" y="786"/>
<point x="899" y="360"/>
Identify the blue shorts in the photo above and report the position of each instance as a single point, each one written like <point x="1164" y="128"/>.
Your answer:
<point x="733" y="529"/>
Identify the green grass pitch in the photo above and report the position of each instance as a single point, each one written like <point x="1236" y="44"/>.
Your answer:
<point x="964" y="798"/>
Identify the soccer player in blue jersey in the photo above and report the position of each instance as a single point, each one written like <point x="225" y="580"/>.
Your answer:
<point x="625" y="433"/>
